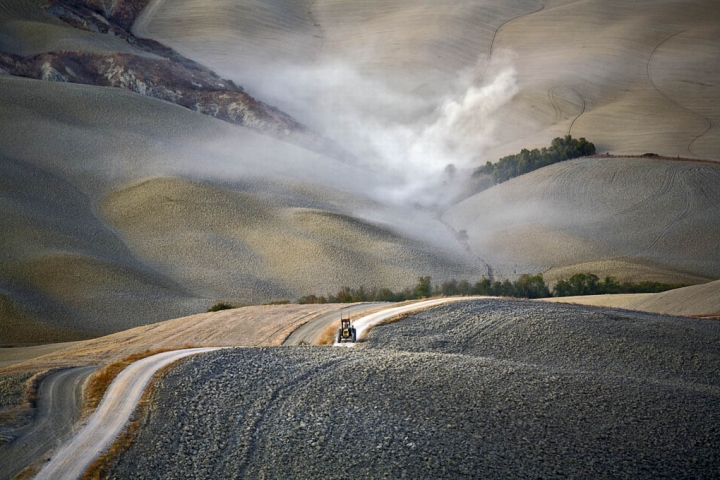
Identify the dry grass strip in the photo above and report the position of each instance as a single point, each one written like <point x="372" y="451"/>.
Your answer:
<point x="98" y="382"/>
<point x="102" y="466"/>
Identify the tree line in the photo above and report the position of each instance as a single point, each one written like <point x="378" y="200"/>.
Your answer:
<point x="527" y="286"/>
<point x="526" y="161"/>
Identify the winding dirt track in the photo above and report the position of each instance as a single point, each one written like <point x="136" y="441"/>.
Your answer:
<point x="126" y="390"/>
<point x="368" y="321"/>
<point x="111" y="416"/>
<point x="58" y="408"/>
<point x="310" y="332"/>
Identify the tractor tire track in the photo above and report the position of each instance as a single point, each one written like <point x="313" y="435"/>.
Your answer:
<point x="554" y="103"/>
<point x="674" y="102"/>
<point x="582" y="110"/>
<point x="669" y="179"/>
<point x="269" y="408"/>
<point x="497" y="30"/>
<point x="709" y="127"/>
<point x="688" y="207"/>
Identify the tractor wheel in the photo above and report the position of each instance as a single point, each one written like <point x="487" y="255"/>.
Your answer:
<point x="354" y="335"/>
<point x="339" y="336"/>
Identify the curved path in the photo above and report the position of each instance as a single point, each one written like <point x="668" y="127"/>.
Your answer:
<point x="365" y="323"/>
<point x="310" y="332"/>
<point x="110" y="418"/>
<point x="708" y="122"/>
<point x="58" y="408"/>
<point x="497" y="30"/>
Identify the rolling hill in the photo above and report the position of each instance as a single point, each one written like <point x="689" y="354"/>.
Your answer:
<point x="157" y="157"/>
<point x="630" y="218"/>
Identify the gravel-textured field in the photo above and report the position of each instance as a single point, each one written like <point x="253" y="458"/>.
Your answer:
<point x="491" y="389"/>
<point x="13" y="412"/>
<point x="12" y="388"/>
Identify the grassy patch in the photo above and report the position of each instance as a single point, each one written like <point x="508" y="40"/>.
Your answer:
<point x="329" y="335"/>
<point x="221" y="306"/>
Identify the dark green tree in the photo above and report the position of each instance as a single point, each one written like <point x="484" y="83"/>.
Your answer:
<point x="423" y="289"/>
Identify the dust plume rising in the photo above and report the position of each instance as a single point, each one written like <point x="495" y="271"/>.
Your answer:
<point x="421" y="138"/>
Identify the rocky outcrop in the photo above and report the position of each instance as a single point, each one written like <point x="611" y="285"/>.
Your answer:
<point x="118" y="13"/>
<point x="155" y="71"/>
<point x="197" y="89"/>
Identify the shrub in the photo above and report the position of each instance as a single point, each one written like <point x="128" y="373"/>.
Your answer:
<point x="220" y="306"/>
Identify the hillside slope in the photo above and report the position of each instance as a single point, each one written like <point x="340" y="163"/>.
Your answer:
<point x="630" y="218"/>
<point x="481" y="389"/>
<point x="633" y="77"/>
<point x="235" y="244"/>
<point x="69" y="153"/>
<point x="694" y="301"/>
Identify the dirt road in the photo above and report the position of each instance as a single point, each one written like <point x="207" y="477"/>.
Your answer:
<point x="111" y="416"/>
<point x="311" y="332"/>
<point x="368" y="321"/>
<point x="58" y="408"/>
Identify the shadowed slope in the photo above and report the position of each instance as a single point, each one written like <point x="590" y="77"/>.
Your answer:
<point x="632" y="218"/>
<point x="64" y="274"/>
<point x="230" y="243"/>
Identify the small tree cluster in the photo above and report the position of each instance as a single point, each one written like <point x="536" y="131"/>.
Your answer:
<point x="527" y="286"/>
<point x="526" y="161"/>
<point x="590" y="284"/>
<point x="221" y="306"/>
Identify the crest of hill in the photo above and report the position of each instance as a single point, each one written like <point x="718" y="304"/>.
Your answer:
<point x="635" y="219"/>
<point x="694" y="301"/>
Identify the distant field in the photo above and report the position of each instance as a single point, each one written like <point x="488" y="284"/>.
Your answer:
<point x="635" y="219"/>
<point x="633" y="77"/>
<point x="696" y="301"/>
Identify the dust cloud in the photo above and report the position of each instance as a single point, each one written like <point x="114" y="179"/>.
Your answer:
<point x="424" y="139"/>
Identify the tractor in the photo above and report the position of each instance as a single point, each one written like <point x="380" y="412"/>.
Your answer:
<point x="346" y="332"/>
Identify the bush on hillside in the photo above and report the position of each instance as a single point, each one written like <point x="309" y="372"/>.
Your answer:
<point x="526" y="161"/>
<point x="220" y="306"/>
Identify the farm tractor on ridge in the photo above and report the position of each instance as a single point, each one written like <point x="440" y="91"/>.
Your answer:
<point x="346" y="332"/>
